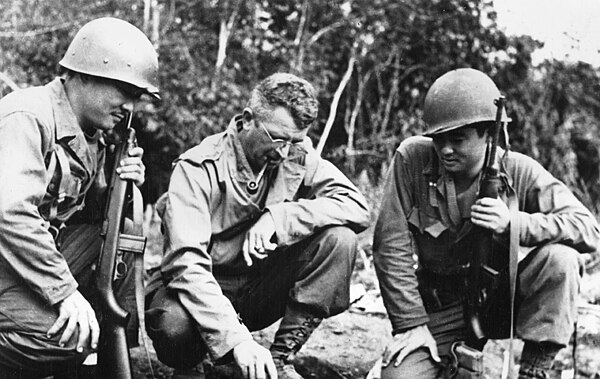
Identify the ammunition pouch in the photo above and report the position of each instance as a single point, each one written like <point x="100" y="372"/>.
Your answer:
<point x="466" y="363"/>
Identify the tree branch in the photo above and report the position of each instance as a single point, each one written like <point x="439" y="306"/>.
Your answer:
<point x="8" y="81"/>
<point x="40" y="31"/>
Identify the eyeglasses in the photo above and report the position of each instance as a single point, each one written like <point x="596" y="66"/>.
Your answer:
<point x="283" y="144"/>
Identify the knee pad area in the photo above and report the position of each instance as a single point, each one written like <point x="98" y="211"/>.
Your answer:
<point x="562" y="260"/>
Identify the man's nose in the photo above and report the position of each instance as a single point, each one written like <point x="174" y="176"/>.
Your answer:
<point x="128" y="106"/>
<point x="283" y="150"/>
<point x="446" y="150"/>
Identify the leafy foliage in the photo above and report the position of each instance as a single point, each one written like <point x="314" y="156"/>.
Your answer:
<point x="394" y="50"/>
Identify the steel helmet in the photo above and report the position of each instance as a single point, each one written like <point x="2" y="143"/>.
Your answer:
<point x="114" y="49"/>
<point x="458" y="98"/>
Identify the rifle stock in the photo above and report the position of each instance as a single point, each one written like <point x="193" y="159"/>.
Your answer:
<point x="119" y="237"/>
<point x="482" y="277"/>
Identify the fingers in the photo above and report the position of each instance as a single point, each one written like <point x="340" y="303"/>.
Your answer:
<point x="434" y="353"/>
<point x="76" y="315"/>
<point x="94" y="329"/>
<point x="257" y="244"/>
<point x="253" y="359"/>
<point x="136" y="152"/>
<point x="391" y="351"/>
<point x="246" y="252"/>
<point x="84" y="331"/>
<point x="267" y="245"/>
<point x="252" y="371"/>
<point x="491" y="214"/>
<point x="407" y="342"/>
<point x="271" y="369"/>
<point x="244" y="370"/>
<point x="58" y="324"/>
<point x="401" y="355"/>
<point x="132" y="167"/>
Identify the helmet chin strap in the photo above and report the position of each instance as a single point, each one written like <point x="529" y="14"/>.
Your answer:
<point x="252" y="186"/>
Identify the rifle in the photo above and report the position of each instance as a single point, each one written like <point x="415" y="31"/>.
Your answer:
<point x="120" y="235"/>
<point x="482" y="270"/>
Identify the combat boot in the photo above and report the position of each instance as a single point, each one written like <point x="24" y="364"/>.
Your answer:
<point x="536" y="359"/>
<point x="295" y="328"/>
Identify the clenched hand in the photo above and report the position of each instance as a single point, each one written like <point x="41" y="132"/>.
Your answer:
<point x="132" y="167"/>
<point x="257" y="243"/>
<point x="492" y="214"/>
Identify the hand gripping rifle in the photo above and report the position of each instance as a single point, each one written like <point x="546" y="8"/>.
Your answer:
<point x="121" y="234"/>
<point x="482" y="274"/>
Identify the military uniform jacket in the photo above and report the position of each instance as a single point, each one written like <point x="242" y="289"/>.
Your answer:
<point x="418" y="218"/>
<point x="40" y="185"/>
<point x="208" y="209"/>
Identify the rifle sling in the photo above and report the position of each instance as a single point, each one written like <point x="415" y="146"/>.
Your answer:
<point x="513" y="262"/>
<point x="138" y="228"/>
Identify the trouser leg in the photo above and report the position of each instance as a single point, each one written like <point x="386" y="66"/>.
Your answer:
<point x="447" y="326"/>
<point x="313" y="274"/>
<point x="549" y="285"/>
<point x="25" y="317"/>
<point x="174" y="335"/>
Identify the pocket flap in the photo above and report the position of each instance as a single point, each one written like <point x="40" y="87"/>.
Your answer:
<point x="426" y="223"/>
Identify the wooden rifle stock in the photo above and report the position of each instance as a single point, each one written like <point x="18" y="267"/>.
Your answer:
<point x="119" y="236"/>
<point x="482" y="277"/>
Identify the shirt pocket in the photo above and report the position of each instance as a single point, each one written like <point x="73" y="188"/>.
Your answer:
<point x="431" y="238"/>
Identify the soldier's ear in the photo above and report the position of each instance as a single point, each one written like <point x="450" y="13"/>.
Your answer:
<point x="247" y="117"/>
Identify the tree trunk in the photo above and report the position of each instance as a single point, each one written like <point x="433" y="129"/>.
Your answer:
<point x="351" y="128"/>
<point x="155" y="24"/>
<point x="335" y="101"/>
<point x="297" y="63"/>
<point x="225" y="29"/>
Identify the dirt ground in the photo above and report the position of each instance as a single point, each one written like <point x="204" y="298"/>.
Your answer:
<point x="347" y="346"/>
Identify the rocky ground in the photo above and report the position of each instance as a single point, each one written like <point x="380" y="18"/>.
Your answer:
<point x="348" y="345"/>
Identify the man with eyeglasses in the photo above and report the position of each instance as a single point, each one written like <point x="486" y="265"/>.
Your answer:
<point x="257" y="227"/>
<point x="52" y="156"/>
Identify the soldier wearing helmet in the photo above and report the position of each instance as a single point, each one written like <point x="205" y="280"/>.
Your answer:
<point x="52" y="162"/>
<point x="430" y="204"/>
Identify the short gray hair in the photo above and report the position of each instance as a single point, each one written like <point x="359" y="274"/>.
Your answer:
<point x="289" y="91"/>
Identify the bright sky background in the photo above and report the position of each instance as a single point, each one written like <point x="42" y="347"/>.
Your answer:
<point x="570" y="29"/>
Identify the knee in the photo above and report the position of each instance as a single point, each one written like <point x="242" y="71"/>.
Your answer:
<point x="561" y="257"/>
<point x="561" y="261"/>
<point x="417" y="364"/>
<point x="340" y="241"/>
<point x="176" y="340"/>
